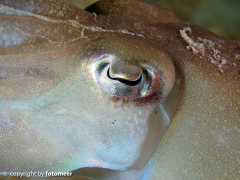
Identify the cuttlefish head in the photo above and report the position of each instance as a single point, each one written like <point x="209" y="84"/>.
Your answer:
<point x="95" y="91"/>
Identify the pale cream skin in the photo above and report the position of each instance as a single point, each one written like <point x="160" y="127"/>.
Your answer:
<point x="67" y="101"/>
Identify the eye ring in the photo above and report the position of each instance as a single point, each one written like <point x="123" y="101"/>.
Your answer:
<point x="118" y="86"/>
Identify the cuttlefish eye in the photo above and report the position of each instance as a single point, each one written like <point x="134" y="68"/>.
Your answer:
<point x="121" y="80"/>
<point x="128" y="67"/>
<point x="143" y="82"/>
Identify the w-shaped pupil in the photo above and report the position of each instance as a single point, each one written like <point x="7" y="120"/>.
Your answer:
<point x="124" y="81"/>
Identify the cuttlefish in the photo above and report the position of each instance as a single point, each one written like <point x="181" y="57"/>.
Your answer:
<point x="121" y="90"/>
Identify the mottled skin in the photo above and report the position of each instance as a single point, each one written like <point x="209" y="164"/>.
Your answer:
<point x="44" y="102"/>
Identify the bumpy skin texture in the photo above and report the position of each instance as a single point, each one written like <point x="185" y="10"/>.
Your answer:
<point x="58" y="114"/>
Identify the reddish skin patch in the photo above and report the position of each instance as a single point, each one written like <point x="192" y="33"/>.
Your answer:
<point x="155" y="97"/>
<point x="154" y="94"/>
<point x="115" y="99"/>
<point x="140" y="101"/>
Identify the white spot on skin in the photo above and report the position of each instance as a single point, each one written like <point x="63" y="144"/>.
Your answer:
<point x="191" y="122"/>
<point x="204" y="85"/>
<point x="133" y="132"/>
<point x="171" y="150"/>
<point x="226" y="129"/>
<point x="221" y="108"/>
<point x="238" y="160"/>
<point x="82" y="33"/>
<point x="196" y="47"/>
<point x="2" y="74"/>
<point x="136" y="119"/>
<point x="206" y="48"/>
<point x="221" y="137"/>
<point x="223" y="61"/>
<point x="95" y="16"/>
<point x="190" y="157"/>
<point x="184" y="170"/>
<point x="237" y="56"/>
<point x="32" y="151"/>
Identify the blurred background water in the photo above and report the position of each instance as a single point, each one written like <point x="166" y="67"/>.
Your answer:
<point x="219" y="16"/>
